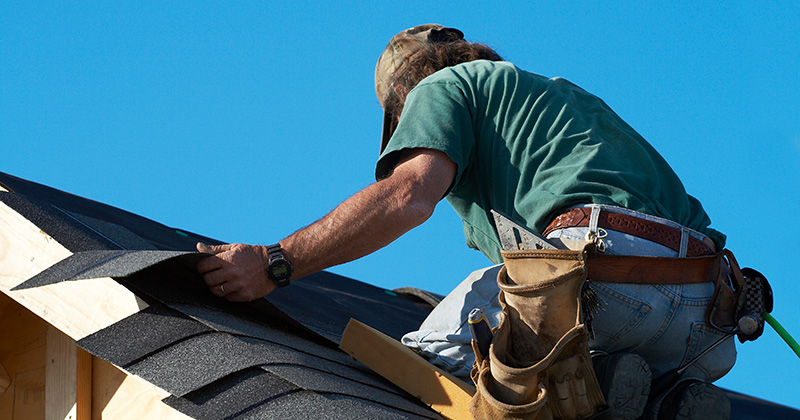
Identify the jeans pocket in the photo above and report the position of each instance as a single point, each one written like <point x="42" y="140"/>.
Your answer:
<point x="714" y="364"/>
<point x="616" y="316"/>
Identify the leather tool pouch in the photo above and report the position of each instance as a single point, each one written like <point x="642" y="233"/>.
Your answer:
<point x="741" y="298"/>
<point x="728" y="298"/>
<point x="539" y="365"/>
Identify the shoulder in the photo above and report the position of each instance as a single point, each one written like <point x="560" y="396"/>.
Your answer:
<point x="487" y="77"/>
<point x="473" y="71"/>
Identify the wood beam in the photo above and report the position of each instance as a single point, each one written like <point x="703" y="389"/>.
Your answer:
<point x="61" y="376"/>
<point x="84" y="385"/>
<point x="23" y="341"/>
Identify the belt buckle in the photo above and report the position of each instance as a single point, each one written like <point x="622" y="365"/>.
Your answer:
<point x="597" y="239"/>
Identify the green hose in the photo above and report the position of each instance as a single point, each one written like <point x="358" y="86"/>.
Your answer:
<point x="782" y="332"/>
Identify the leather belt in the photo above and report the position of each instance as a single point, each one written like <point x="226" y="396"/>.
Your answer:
<point x="651" y="270"/>
<point x="631" y="225"/>
<point x="635" y="269"/>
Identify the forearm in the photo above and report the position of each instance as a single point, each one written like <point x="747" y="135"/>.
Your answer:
<point x="366" y="222"/>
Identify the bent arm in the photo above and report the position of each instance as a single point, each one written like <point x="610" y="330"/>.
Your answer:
<point x="375" y="216"/>
<point x="364" y="223"/>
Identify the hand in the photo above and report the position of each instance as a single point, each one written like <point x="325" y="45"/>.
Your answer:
<point x="236" y="272"/>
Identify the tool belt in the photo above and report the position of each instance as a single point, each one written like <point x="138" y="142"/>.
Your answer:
<point x="539" y="366"/>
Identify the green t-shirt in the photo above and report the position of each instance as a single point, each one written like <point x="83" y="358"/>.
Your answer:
<point x="531" y="147"/>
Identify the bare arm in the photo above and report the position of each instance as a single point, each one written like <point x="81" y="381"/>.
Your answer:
<point x="364" y="223"/>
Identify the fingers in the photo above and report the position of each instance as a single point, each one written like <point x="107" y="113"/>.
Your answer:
<point x="207" y="265"/>
<point x="230" y="291"/>
<point x="235" y="272"/>
<point x="225" y="290"/>
<point x="219" y="290"/>
<point x="215" y="277"/>
<point x="213" y="249"/>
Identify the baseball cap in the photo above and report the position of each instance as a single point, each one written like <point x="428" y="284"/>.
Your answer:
<point x="403" y="46"/>
<point x="400" y="48"/>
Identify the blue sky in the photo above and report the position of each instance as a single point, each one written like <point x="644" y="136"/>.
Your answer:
<point x="246" y="121"/>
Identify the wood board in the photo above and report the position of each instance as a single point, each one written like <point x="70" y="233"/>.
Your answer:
<point x="443" y="392"/>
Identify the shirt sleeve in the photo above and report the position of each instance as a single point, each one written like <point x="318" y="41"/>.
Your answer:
<point x="437" y="115"/>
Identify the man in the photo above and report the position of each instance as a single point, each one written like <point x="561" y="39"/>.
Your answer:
<point x="463" y="125"/>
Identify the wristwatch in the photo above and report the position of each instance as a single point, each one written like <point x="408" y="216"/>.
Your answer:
<point x="279" y="269"/>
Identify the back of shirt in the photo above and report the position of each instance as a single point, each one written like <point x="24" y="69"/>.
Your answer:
<point x="531" y="147"/>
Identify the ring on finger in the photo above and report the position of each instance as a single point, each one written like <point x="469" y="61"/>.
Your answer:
<point x="222" y="288"/>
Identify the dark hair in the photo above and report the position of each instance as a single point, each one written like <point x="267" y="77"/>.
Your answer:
<point x="427" y="61"/>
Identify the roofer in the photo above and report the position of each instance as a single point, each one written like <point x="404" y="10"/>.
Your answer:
<point x="461" y="124"/>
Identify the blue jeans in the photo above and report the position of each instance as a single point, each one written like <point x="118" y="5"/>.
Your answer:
<point x="665" y="324"/>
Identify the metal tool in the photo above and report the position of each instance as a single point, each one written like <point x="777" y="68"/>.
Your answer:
<point x="668" y="379"/>
<point x="514" y="237"/>
<point x="481" y="331"/>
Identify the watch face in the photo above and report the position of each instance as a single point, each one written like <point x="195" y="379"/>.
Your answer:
<point x="280" y="270"/>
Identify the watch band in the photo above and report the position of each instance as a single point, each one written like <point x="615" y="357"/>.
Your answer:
<point x="274" y="251"/>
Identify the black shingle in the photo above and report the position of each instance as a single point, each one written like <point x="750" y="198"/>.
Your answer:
<point x="142" y="334"/>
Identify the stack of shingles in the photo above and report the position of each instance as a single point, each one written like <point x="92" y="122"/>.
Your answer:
<point x="221" y="360"/>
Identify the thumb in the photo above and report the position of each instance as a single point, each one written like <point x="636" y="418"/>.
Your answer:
<point x="213" y="249"/>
